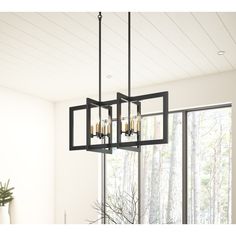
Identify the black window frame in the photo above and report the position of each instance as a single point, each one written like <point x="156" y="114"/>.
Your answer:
<point x="184" y="161"/>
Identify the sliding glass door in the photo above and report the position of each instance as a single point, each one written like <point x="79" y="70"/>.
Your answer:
<point x="187" y="180"/>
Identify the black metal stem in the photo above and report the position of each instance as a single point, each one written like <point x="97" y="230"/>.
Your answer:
<point x="100" y="69"/>
<point x="129" y="68"/>
<point x="129" y="54"/>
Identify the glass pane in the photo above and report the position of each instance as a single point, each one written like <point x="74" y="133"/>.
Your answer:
<point x="122" y="187"/>
<point x="209" y="166"/>
<point x="161" y="180"/>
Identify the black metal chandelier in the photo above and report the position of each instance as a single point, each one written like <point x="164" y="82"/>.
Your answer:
<point x="100" y="131"/>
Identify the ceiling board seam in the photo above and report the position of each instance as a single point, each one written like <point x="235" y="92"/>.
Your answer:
<point x="193" y="43"/>
<point x="213" y="41"/>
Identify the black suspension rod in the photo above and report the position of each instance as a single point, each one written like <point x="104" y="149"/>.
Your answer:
<point x="100" y="55"/>
<point x="100" y="65"/>
<point x="129" y="55"/>
<point x="129" y="69"/>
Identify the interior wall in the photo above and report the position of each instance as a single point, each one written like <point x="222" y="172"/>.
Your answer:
<point x="77" y="178"/>
<point x="77" y="171"/>
<point x="27" y="156"/>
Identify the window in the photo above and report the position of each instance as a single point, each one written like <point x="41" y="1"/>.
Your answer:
<point x="161" y="174"/>
<point x="209" y="166"/>
<point x="122" y="186"/>
<point x="196" y="163"/>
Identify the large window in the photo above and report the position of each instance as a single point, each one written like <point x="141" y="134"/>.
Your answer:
<point x="209" y="166"/>
<point x="122" y="187"/>
<point x="187" y="180"/>
<point x="161" y="181"/>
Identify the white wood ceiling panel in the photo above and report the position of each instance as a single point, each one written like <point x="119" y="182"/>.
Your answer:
<point x="165" y="45"/>
<point x="193" y="30"/>
<point x="216" y="31"/>
<point x="27" y="37"/>
<point x="141" y="63"/>
<point x="49" y="32"/>
<point x="80" y="33"/>
<point x="182" y="43"/>
<point x="55" y="55"/>
<point x="149" y="51"/>
<point x="76" y="61"/>
<point x="114" y="44"/>
<point x="9" y="42"/>
<point x="228" y="20"/>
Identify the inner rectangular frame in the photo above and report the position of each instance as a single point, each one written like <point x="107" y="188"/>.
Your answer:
<point x="72" y="146"/>
<point x="101" y="148"/>
<point x="138" y="143"/>
<point x="120" y="99"/>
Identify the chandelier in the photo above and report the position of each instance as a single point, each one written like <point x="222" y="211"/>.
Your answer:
<point x="124" y="131"/>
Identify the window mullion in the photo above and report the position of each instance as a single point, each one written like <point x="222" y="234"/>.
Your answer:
<point x="184" y="167"/>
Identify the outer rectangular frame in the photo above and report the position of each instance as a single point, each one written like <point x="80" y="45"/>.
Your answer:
<point x="72" y="147"/>
<point x="164" y="95"/>
<point x="101" y="148"/>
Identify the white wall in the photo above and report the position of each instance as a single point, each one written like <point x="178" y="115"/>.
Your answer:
<point x="76" y="174"/>
<point x="27" y="155"/>
<point x="77" y="171"/>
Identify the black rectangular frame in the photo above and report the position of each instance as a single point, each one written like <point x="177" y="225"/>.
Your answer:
<point x="90" y="103"/>
<point x="120" y="99"/>
<point x="72" y="147"/>
<point x="165" y="112"/>
<point x="125" y="145"/>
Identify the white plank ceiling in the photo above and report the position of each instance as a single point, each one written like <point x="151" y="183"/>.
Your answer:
<point x="55" y="55"/>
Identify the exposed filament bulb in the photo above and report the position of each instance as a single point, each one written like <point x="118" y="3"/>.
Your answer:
<point x="132" y="126"/>
<point x="102" y="129"/>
